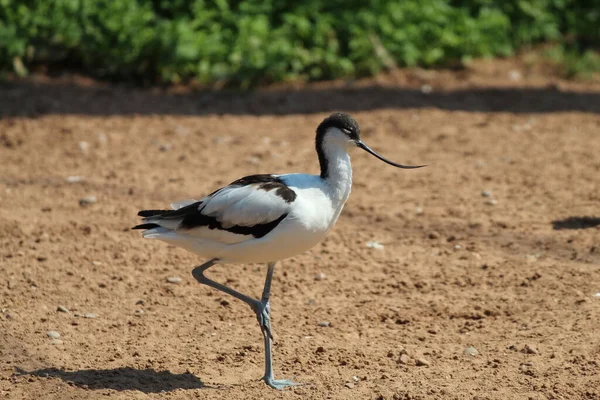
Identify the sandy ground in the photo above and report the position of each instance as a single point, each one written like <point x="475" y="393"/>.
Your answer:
<point x="495" y="245"/>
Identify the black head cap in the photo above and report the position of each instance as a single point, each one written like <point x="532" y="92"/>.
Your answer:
<point x="343" y="122"/>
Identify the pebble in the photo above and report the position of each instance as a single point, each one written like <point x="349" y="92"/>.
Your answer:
<point x="86" y="201"/>
<point x="527" y="349"/>
<point x="491" y="202"/>
<point x="515" y="75"/>
<point x="457" y="247"/>
<point x="374" y="245"/>
<point x="434" y="235"/>
<point x="74" y="179"/>
<point x="421" y="362"/>
<point x="174" y="279"/>
<point x="471" y="351"/>
<point x="404" y="359"/>
<point x="597" y="294"/>
<point x="90" y="315"/>
<point x="486" y="193"/>
<point x="320" y="276"/>
<point x="84" y="146"/>
<point x="165" y="147"/>
<point x="56" y="341"/>
<point x="349" y="385"/>
<point x="426" y="89"/>
<point x="62" y="309"/>
<point x="53" y="334"/>
<point x="324" y="324"/>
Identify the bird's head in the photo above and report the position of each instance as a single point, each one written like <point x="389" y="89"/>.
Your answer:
<point x="342" y="129"/>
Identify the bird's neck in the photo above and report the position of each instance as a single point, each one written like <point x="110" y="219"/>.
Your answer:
<point x="336" y="170"/>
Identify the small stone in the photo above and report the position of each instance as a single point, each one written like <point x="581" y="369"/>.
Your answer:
<point x="174" y="279"/>
<point x="486" y="193"/>
<point x="491" y="202"/>
<point x="84" y="147"/>
<point x="471" y="351"/>
<point x="320" y="276"/>
<point x="597" y="294"/>
<point x="324" y="324"/>
<point x="56" y="342"/>
<point x="421" y="362"/>
<point x="527" y="349"/>
<point x="426" y="89"/>
<point x="355" y="378"/>
<point x="224" y="303"/>
<point x="165" y="147"/>
<point x="86" y="201"/>
<point x="53" y="334"/>
<point x="90" y="315"/>
<point x="457" y="247"/>
<point x="253" y="160"/>
<point x="138" y="312"/>
<point x="96" y="263"/>
<point x="74" y="179"/>
<point x="349" y="385"/>
<point x="320" y="350"/>
<point x="62" y="309"/>
<point x="515" y="75"/>
<point x="434" y="235"/>
<point x="374" y="245"/>
<point x="404" y="359"/>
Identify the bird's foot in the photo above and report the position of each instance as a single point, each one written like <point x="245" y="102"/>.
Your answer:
<point x="279" y="384"/>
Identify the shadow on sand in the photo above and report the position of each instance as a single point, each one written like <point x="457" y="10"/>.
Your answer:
<point x="30" y="99"/>
<point x="144" y="380"/>
<point x="576" y="223"/>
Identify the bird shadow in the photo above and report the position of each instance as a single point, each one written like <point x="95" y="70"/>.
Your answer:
<point x="576" y="223"/>
<point x="125" y="378"/>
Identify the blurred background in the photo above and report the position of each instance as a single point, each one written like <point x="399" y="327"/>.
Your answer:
<point x="244" y="43"/>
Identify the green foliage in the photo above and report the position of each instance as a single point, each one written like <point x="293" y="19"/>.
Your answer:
<point x="246" y="42"/>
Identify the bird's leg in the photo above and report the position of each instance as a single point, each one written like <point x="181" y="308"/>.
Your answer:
<point x="261" y="308"/>
<point x="198" y="273"/>
<point x="263" y="314"/>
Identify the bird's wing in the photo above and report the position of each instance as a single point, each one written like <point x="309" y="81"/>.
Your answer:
<point x="248" y="208"/>
<point x="182" y="203"/>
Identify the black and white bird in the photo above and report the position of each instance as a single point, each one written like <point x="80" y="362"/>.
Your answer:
<point x="265" y="218"/>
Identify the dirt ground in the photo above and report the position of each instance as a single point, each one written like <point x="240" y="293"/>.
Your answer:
<point x="495" y="245"/>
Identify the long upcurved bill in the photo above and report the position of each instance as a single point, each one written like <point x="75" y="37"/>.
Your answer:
<point x="371" y="151"/>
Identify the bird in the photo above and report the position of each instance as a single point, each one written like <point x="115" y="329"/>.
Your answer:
<point x="265" y="218"/>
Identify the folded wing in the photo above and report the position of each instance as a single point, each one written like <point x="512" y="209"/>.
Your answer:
<point x="248" y="208"/>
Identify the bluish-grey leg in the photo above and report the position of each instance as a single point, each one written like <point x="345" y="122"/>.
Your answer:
<point x="198" y="273"/>
<point x="264" y="320"/>
<point x="263" y="314"/>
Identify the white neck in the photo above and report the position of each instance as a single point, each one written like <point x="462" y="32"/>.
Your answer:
<point x="339" y="170"/>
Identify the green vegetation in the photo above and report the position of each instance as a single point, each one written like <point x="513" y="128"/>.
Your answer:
<point x="246" y="42"/>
